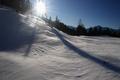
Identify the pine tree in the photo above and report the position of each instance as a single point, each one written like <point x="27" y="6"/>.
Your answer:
<point x="80" y="30"/>
<point x="57" y="19"/>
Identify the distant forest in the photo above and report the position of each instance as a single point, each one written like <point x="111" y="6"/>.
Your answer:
<point x="80" y="29"/>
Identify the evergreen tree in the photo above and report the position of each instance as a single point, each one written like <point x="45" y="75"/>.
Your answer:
<point x="81" y="30"/>
<point x="57" y="19"/>
<point x="50" y="19"/>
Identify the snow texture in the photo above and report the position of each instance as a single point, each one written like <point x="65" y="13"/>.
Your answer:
<point x="54" y="55"/>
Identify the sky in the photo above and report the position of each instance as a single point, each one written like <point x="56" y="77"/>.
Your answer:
<point x="91" y="12"/>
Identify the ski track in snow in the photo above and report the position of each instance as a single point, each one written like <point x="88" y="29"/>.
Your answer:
<point x="58" y="56"/>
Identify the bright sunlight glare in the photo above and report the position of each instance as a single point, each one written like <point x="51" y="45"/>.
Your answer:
<point x="40" y="8"/>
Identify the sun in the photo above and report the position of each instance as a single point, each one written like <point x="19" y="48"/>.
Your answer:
<point x="40" y="8"/>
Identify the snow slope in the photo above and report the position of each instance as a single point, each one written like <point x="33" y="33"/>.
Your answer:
<point x="53" y="55"/>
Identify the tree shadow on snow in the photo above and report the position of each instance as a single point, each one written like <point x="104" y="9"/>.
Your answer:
<point x="86" y="55"/>
<point x="12" y="41"/>
<point x="15" y="34"/>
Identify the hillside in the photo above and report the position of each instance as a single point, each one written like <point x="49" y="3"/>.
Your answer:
<point x="40" y="52"/>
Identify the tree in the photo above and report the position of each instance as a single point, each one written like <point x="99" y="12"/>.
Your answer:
<point x="57" y="19"/>
<point x="18" y="5"/>
<point x="25" y="5"/>
<point x="81" y="30"/>
<point x="50" y="19"/>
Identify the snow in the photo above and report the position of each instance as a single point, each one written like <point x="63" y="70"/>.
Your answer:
<point x="54" y="55"/>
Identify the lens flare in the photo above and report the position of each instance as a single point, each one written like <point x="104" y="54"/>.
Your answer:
<point x="40" y="8"/>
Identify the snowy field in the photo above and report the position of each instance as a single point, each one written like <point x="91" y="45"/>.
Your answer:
<point x="58" y="56"/>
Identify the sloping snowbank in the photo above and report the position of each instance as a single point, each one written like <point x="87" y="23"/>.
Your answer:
<point x="54" y="55"/>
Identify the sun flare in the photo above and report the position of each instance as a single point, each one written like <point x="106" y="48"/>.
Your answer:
<point x="40" y="8"/>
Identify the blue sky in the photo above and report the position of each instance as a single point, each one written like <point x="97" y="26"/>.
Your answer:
<point x="92" y="12"/>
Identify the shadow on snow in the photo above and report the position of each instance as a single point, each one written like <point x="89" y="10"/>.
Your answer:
<point x="86" y="55"/>
<point x="14" y="33"/>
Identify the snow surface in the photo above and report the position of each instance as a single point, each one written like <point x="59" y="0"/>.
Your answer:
<point x="58" y="56"/>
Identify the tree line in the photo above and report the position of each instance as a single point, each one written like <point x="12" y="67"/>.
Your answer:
<point x="25" y="5"/>
<point x="18" y="5"/>
<point x="82" y="30"/>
